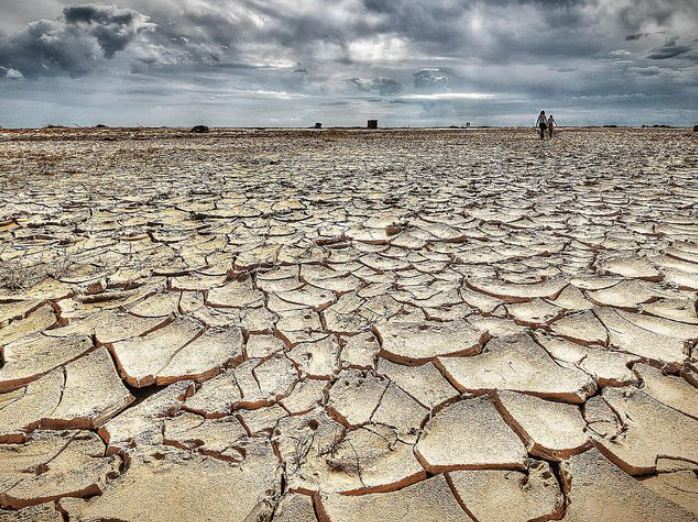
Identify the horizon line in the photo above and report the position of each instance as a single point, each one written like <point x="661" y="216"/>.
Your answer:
<point x="99" y="126"/>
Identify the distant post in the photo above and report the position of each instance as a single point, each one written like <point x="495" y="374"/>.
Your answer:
<point x="372" y="124"/>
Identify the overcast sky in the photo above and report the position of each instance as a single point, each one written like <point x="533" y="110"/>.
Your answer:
<point x="341" y="62"/>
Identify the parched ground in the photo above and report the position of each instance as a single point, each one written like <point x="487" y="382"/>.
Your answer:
<point x="348" y="325"/>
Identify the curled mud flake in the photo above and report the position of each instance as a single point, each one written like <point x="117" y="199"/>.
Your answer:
<point x="631" y="267"/>
<point x="650" y="430"/>
<point x="218" y="438"/>
<point x="143" y="422"/>
<point x="91" y="394"/>
<point x="626" y="294"/>
<point x="608" y="368"/>
<point x="598" y="490"/>
<point x="370" y="459"/>
<point x="37" y="321"/>
<point x="418" y="342"/>
<point x="117" y="326"/>
<point x="669" y="390"/>
<point x="469" y="434"/>
<point x="179" y="485"/>
<point x="216" y="398"/>
<point x="582" y="327"/>
<point x="424" y="383"/>
<point x="550" y="430"/>
<point x="515" y="293"/>
<point x="430" y="499"/>
<point x="41" y="513"/>
<point x="236" y="294"/>
<point x="51" y="465"/>
<point x="504" y="496"/>
<point x="518" y="364"/>
<point x="678" y="486"/>
<point x="626" y="335"/>
<point x="28" y="359"/>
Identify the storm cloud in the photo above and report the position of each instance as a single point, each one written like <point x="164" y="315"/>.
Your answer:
<point x="74" y="43"/>
<point x="669" y="50"/>
<point x="407" y="61"/>
<point x="383" y="86"/>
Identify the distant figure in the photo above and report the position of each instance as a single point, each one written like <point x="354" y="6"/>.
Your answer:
<point x="467" y="124"/>
<point x="551" y="122"/>
<point x="542" y="124"/>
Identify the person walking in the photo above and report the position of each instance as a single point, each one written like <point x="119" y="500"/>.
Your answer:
<point x="551" y="122"/>
<point x="542" y="124"/>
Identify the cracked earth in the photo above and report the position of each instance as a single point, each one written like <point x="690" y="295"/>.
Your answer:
<point x="348" y="326"/>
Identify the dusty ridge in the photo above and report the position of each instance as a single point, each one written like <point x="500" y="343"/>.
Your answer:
<point x="348" y="325"/>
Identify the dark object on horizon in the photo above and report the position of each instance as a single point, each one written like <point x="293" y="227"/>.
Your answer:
<point x="372" y="124"/>
<point x="199" y="129"/>
<point x="100" y="126"/>
<point x="318" y="125"/>
<point x="52" y="126"/>
<point x="695" y="128"/>
<point x="656" y="126"/>
<point x="610" y="126"/>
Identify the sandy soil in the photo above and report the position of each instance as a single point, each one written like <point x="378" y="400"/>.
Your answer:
<point x="348" y="325"/>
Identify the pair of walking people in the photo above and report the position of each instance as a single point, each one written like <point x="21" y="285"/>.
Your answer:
<point x="545" y="123"/>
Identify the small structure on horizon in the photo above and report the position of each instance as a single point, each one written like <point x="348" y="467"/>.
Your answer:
<point x="695" y="128"/>
<point x="372" y="124"/>
<point x="199" y="129"/>
<point x="318" y="125"/>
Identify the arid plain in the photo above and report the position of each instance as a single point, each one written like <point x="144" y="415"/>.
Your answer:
<point x="347" y="325"/>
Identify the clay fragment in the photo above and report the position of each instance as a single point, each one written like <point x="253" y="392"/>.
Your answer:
<point x="430" y="499"/>
<point x="469" y="434"/>
<point x="412" y="342"/>
<point x="504" y="496"/>
<point x="518" y="364"/>
<point x="550" y="430"/>
<point x="598" y="490"/>
<point x="70" y="463"/>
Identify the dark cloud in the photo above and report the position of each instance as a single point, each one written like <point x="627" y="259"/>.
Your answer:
<point x="381" y="85"/>
<point x="430" y="79"/>
<point x="636" y="36"/>
<point x="73" y="45"/>
<point x="668" y="50"/>
<point x="113" y="28"/>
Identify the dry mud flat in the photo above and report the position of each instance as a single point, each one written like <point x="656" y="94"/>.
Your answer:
<point x="348" y="326"/>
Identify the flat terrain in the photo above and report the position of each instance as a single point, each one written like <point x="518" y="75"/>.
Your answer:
<point x="348" y="325"/>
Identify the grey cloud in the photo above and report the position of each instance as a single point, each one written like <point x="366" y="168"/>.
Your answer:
<point x="381" y="85"/>
<point x="636" y="36"/>
<point x="668" y="50"/>
<point x="10" y="73"/>
<point x="113" y="28"/>
<point x="430" y="79"/>
<point x="73" y="45"/>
